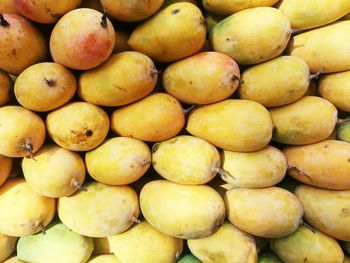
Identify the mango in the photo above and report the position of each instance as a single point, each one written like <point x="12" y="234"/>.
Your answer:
<point x="313" y="13"/>
<point x="6" y="87"/>
<point x="101" y="246"/>
<point x="14" y="259"/>
<point x="227" y="244"/>
<point x="82" y="39"/>
<point x="155" y="118"/>
<point x="336" y="88"/>
<point x="277" y="82"/>
<point x="233" y="6"/>
<point x="234" y="125"/>
<point x="115" y="83"/>
<point x="7" y="246"/>
<point x="270" y="212"/>
<point x="182" y="33"/>
<point x="105" y="259"/>
<point x="186" y="160"/>
<point x="308" y="120"/>
<point x="118" y="161"/>
<point x="143" y="243"/>
<point x="306" y="245"/>
<point x="101" y="211"/>
<point x="182" y="211"/>
<point x="5" y="171"/>
<point x="185" y="79"/>
<point x="188" y="258"/>
<point x="8" y="7"/>
<point x="24" y="212"/>
<point x="121" y="42"/>
<point x="45" y="86"/>
<point x="78" y="126"/>
<point x="326" y="210"/>
<point x="21" y="44"/>
<point x="58" y="244"/>
<point x="343" y="130"/>
<point x="324" y="164"/>
<point x="324" y="49"/>
<point x="166" y="3"/>
<point x="259" y="169"/>
<point x="252" y="36"/>
<point x="22" y="132"/>
<point x="54" y="171"/>
<point x="268" y="258"/>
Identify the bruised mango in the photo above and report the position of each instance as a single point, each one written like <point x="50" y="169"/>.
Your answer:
<point x="7" y="246"/>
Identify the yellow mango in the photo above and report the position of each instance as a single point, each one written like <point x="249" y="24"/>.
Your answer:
<point x="325" y="49"/>
<point x="6" y="86"/>
<point x="324" y="164"/>
<point x="104" y="259"/>
<point x="6" y="165"/>
<point x="23" y="211"/>
<point x="259" y="169"/>
<point x="121" y="41"/>
<point x="22" y="132"/>
<point x="14" y="259"/>
<point x="7" y="246"/>
<point x="271" y="212"/>
<point x="336" y="88"/>
<point x="234" y="125"/>
<point x="306" y="245"/>
<point x="277" y="82"/>
<point x="45" y="86"/>
<point x="114" y="82"/>
<point x="155" y="118"/>
<point x="184" y="79"/>
<point x="227" y="244"/>
<point x="308" y="120"/>
<point x="54" y="171"/>
<point x="186" y="160"/>
<point x="101" y="211"/>
<point x="101" y="246"/>
<point x="326" y="210"/>
<point x="182" y="33"/>
<point x="252" y="36"/>
<point x="118" y="161"/>
<point x="78" y="126"/>
<point x="313" y="13"/>
<point x="182" y="211"/>
<point x="143" y="243"/>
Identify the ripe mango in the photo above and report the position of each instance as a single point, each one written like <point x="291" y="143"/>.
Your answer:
<point x="6" y="165"/>
<point x="104" y="259"/>
<point x="6" y="86"/>
<point x="268" y="212"/>
<point x="310" y="119"/>
<point x="182" y="33"/>
<point x="185" y="79"/>
<point x="227" y="244"/>
<point x="324" y="164"/>
<point x="186" y="160"/>
<point x="7" y="246"/>
<point x="234" y="125"/>
<point x="307" y="245"/>
<point x="143" y="243"/>
<point x="182" y="211"/>
<point x="252" y="36"/>
<point x="8" y="7"/>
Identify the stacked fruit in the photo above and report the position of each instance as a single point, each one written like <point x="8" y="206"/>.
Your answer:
<point x="162" y="131"/>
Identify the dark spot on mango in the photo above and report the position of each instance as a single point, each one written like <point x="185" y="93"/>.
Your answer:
<point x="344" y="212"/>
<point x="326" y="146"/>
<point x="88" y="133"/>
<point x="175" y="11"/>
<point x="305" y="259"/>
<point x="173" y="141"/>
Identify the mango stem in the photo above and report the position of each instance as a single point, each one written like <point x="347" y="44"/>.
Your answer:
<point x="3" y="21"/>
<point x="189" y="109"/>
<point x="79" y="186"/>
<point x="104" y="20"/>
<point x="236" y="78"/>
<point x="135" y="220"/>
<point x="28" y="147"/>
<point x="299" y="171"/>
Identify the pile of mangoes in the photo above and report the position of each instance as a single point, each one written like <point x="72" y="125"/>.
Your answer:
<point x="212" y="131"/>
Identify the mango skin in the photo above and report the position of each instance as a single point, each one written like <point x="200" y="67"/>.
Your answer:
<point x="277" y="82"/>
<point x="104" y="259"/>
<point x="326" y="210"/>
<point x="227" y="244"/>
<point x="184" y="79"/>
<point x="336" y="88"/>
<point x="7" y="246"/>
<point x="324" y="49"/>
<point x="326" y="164"/>
<point x="229" y="7"/>
<point x="307" y="245"/>
<point x="182" y="33"/>
<point x="263" y="168"/>
<point x="6" y="88"/>
<point x="144" y="243"/>
<point x="8" y="7"/>
<point x="277" y="212"/>
<point x="25" y="212"/>
<point x="6" y="165"/>
<point x="310" y="119"/>
<point x="182" y="211"/>
<point x="234" y="125"/>
<point x="268" y="258"/>
<point x="155" y="118"/>
<point x="252" y="36"/>
<point x="101" y="211"/>
<point x="186" y="160"/>
<point x="343" y="130"/>
<point x="313" y="13"/>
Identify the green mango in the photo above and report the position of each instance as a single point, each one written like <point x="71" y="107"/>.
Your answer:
<point x="188" y="259"/>
<point x="343" y="130"/>
<point x="268" y="258"/>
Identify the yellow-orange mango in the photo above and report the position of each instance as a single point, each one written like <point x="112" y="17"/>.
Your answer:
<point x="324" y="164"/>
<point x="7" y="246"/>
<point x="234" y="125"/>
<point x="203" y="78"/>
<point x="8" y="7"/>
<point x="6" y="165"/>
<point x="6" y="86"/>
<point x="308" y="120"/>
<point x="124" y="78"/>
